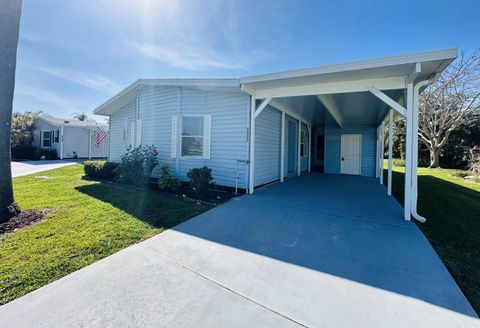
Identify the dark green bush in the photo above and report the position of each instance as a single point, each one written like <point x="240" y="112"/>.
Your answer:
<point x="166" y="181"/>
<point x="100" y="169"/>
<point x="201" y="180"/>
<point x="48" y="153"/>
<point x="22" y="151"/>
<point x="137" y="165"/>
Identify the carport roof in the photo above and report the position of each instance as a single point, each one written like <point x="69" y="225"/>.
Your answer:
<point x="390" y="73"/>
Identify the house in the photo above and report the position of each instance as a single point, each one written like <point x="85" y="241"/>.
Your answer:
<point x="72" y="138"/>
<point x="256" y="130"/>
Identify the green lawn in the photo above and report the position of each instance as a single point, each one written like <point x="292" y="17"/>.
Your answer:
<point x="91" y="221"/>
<point x="452" y="208"/>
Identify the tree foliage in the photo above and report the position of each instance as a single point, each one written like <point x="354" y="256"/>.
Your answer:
<point x="22" y="128"/>
<point x="449" y="103"/>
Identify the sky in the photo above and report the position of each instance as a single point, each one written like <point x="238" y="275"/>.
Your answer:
<point x="75" y="55"/>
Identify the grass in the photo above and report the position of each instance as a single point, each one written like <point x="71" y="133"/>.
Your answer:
<point x="91" y="220"/>
<point x="452" y="208"/>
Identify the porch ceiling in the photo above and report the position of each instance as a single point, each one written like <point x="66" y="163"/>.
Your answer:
<point x="355" y="108"/>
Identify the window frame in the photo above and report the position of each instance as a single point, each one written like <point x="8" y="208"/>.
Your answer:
<point x="49" y="139"/>
<point x="304" y="144"/>
<point x="192" y="136"/>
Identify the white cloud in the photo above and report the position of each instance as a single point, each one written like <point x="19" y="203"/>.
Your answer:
<point x="91" y="81"/>
<point x="191" y="58"/>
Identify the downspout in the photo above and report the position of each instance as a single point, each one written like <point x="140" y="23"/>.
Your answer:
<point x="414" y="183"/>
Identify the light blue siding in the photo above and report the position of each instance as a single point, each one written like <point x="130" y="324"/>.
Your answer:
<point x="332" y="148"/>
<point x="267" y="146"/>
<point x="229" y="126"/>
<point x="117" y="122"/>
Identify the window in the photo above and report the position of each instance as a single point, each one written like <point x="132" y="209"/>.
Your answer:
<point x="304" y="143"/>
<point x="57" y="136"/>
<point x="46" y="139"/>
<point x="192" y="136"/>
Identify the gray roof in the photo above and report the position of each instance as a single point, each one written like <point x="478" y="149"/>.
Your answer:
<point x="57" y="121"/>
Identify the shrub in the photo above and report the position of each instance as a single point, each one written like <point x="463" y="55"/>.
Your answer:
<point x="137" y="165"/>
<point x="200" y="180"/>
<point x="48" y="153"/>
<point x="398" y="162"/>
<point x="21" y="151"/>
<point x="100" y="169"/>
<point x="166" y="181"/>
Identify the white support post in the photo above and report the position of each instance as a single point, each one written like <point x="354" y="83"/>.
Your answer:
<point x="299" y="158"/>
<point x="282" y="148"/>
<point x="89" y="144"/>
<point x="390" y="152"/>
<point x="61" y="142"/>
<point x="309" y="148"/>
<point x="382" y="151"/>
<point x="408" y="153"/>
<point x="252" y="145"/>
<point x="376" y="154"/>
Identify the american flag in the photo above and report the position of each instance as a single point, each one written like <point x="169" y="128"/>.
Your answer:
<point x="99" y="136"/>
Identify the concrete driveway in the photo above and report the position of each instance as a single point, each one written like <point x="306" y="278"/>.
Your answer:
<point x="316" y="251"/>
<point x="30" y="167"/>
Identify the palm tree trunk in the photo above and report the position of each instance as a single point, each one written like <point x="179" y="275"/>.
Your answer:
<point x="9" y="30"/>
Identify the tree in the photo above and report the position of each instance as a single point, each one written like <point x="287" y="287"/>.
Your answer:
<point x="80" y="116"/>
<point x="9" y="32"/>
<point x="22" y="135"/>
<point x="22" y="127"/>
<point x="449" y="103"/>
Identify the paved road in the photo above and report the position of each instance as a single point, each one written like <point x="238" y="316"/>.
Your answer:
<point x="316" y="251"/>
<point x="30" y="167"/>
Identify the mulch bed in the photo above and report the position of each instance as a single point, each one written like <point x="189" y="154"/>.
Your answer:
<point x="25" y="218"/>
<point x="215" y="196"/>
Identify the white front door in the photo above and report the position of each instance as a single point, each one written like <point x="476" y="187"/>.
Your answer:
<point x="350" y="153"/>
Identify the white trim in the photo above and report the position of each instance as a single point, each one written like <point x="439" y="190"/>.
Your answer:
<point x="443" y="54"/>
<point x="389" y="101"/>
<point x="282" y="148"/>
<point x="390" y="152"/>
<point x="207" y="136"/>
<point x="331" y="107"/>
<point x="202" y="156"/>
<point x="252" y="145"/>
<point x="89" y="144"/>
<point x="388" y="83"/>
<point x="310" y="148"/>
<point x="43" y="138"/>
<point x="408" y="154"/>
<point x="262" y="106"/>
<point x="138" y="133"/>
<point x="382" y="151"/>
<point x="61" y="142"/>
<point x="173" y="137"/>
<point x="299" y="154"/>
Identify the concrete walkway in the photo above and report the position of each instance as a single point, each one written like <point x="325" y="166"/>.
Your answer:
<point x="316" y="251"/>
<point x="30" y="167"/>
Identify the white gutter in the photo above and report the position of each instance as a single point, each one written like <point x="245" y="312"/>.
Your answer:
<point x="414" y="184"/>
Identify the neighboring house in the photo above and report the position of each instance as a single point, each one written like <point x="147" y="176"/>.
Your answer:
<point x="256" y="130"/>
<point x="72" y="138"/>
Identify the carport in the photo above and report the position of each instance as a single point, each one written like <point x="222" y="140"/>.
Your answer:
<point x="351" y="105"/>
<point x="315" y="251"/>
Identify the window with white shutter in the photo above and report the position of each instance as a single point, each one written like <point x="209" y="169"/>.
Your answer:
<point x="173" y="142"/>
<point x="207" y="127"/>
